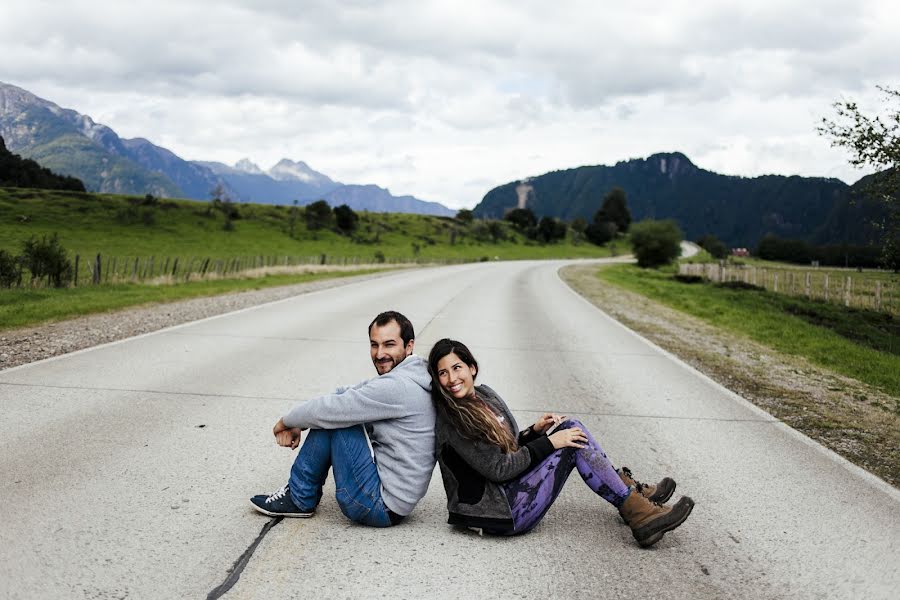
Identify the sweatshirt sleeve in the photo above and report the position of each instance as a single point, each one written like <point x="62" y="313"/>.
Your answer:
<point x="495" y="465"/>
<point x="373" y="400"/>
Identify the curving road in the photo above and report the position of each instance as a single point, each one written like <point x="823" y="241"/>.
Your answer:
<point x="126" y="468"/>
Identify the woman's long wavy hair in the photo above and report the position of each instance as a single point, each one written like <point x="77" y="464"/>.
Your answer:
<point x="471" y="416"/>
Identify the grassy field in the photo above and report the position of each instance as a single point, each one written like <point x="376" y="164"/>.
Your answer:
<point x="19" y="308"/>
<point x="865" y="289"/>
<point x="112" y="225"/>
<point x="861" y="344"/>
<point x="125" y="229"/>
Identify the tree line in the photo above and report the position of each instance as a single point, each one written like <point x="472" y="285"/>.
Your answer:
<point x="16" y="171"/>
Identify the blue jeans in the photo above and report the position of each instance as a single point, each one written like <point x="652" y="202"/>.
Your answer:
<point x="358" y="487"/>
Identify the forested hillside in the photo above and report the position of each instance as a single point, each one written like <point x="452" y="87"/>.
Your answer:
<point x="739" y="210"/>
<point x="16" y="171"/>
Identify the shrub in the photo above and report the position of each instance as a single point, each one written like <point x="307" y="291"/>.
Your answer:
<point x="522" y="218"/>
<point x="465" y="215"/>
<point x="318" y="215"/>
<point x="656" y="243"/>
<point x="688" y="278"/>
<point x="47" y="258"/>
<point x="550" y="230"/>
<point x="345" y="218"/>
<point x="10" y="269"/>
<point x="599" y="233"/>
<point x="713" y="245"/>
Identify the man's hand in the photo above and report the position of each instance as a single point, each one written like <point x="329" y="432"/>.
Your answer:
<point x="289" y="438"/>
<point x="546" y="421"/>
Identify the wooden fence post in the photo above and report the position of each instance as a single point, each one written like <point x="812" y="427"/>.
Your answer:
<point x="775" y="288"/>
<point x="98" y="263"/>
<point x="175" y="267"/>
<point x="877" y="295"/>
<point x="826" y="287"/>
<point x="807" y="286"/>
<point x="77" y="260"/>
<point x="847" y="292"/>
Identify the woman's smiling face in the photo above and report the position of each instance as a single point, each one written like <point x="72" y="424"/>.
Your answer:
<point x="455" y="376"/>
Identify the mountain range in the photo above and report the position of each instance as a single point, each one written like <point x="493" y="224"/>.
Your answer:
<point x="738" y="210"/>
<point x="71" y="143"/>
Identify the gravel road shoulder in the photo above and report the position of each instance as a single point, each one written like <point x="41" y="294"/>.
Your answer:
<point x="845" y="415"/>
<point x="30" y="344"/>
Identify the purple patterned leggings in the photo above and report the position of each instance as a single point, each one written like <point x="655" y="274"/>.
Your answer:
<point x="531" y="494"/>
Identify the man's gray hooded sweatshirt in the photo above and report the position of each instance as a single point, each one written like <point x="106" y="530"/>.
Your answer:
<point x="398" y="413"/>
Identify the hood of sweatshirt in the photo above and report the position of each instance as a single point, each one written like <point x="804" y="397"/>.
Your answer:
<point x="414" y="367"/>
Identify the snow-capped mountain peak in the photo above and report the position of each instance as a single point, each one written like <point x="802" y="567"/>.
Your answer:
<point x="247" y="166"/>
<point x="287" y="170"/>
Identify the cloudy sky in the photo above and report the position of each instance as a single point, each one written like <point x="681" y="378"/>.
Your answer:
<point x="444" y="100"/>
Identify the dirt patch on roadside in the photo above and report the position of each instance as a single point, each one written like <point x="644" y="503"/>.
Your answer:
<point x="851" y="418"/>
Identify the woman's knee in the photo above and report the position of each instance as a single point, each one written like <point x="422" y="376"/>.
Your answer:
<point x="571" y="424"/>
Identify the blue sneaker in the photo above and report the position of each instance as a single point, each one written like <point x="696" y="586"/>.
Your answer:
<point x="279" y="504"/>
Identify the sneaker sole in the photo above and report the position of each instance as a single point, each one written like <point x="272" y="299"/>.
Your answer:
<point x="656" y="536"/>
<point x="297" y="515"/>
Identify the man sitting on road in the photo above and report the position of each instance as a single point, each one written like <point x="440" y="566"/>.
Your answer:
<point x="377" y="437"/>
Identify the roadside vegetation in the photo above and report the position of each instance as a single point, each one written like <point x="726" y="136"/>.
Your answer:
<point x="113" y="225"/>
<point x="703" y="325"/>
<point x="861" y="344"/>
<point x="19" y="308"/>
<point x="160" y="250"/>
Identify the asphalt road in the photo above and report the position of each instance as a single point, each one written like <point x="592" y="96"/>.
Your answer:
<point x="126" y="468"/>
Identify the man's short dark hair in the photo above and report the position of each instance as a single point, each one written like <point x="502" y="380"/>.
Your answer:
<point x="406" y="328"/>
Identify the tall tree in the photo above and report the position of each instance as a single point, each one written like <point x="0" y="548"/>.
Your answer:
<point x="874" y="141"/>
<point x="318" y="215"/>
<point x="614" y="210"/>
<point x="521" y="218"/>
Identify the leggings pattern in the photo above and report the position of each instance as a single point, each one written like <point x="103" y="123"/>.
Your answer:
<point x="531" y="495"/>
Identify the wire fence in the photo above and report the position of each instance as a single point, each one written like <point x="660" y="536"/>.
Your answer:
<point x="102" y="269"/>
<point x="864" y="290"/>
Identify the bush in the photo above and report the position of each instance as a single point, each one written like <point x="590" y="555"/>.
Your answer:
<point x="345" y="218"/>
<point x="9" y="269"/>
<point x="550" y="230"/>
<point x="521" y="218"/>
<point x="656" y="243"/>
<point x="465" y="215"/>
<point x="47" y="258"/>
<point x="688" y="278"/>
<point x="318" y="215"/>
<point x="599" y="233"/>
<point x="713" y="245"/>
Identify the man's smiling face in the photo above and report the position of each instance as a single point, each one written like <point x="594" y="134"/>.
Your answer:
<point x="387" y="347"/>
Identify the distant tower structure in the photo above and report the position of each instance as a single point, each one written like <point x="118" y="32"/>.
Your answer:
<point x="523" y="191"/>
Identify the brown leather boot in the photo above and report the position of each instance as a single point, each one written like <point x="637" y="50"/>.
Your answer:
<point x="659" y="493"/>
<point x="650" y="521"/>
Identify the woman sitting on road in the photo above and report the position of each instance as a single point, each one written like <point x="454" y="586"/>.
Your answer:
<point x="503" y="481"/>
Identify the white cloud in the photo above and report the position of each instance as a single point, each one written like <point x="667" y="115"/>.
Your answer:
<point x="444" y="100"/>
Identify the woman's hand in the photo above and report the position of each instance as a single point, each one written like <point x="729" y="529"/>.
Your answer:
<point x="568" y="438"/>
<point x="546" y="421"/>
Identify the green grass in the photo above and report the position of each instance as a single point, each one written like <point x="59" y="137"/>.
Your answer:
<point x="19" y="308"/>
<point x="123" y="228"/>
<point x="861" y="344"/>
<point x="119" y="226"/>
